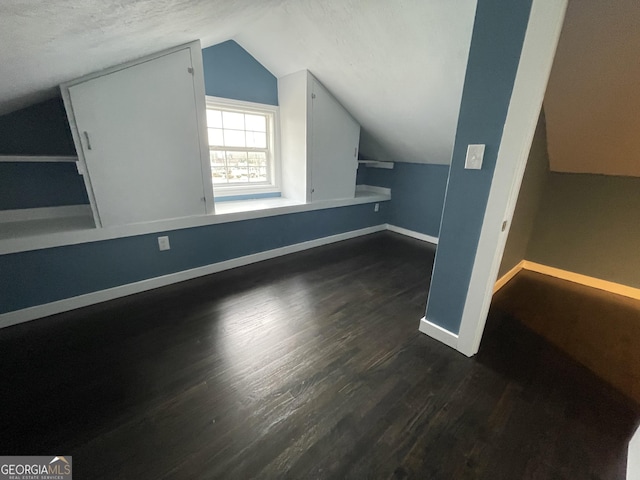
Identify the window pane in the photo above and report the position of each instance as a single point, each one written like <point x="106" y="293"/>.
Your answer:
<point x="214" y="118"/>
<point x="238" y="175"/>
<point x="241" y="131"/>
<point x="215" y="137"/>
<point x="217" y="158"/>
<point x="257" y="159"/>
<point x="234" y="138"/>
<point x="233" y="120"/>
<point x="219" y="175"/>
<point x="237" y="159"/>
<point x="258" y="174"/>
<point x="256" y="140"/>
<point x="256" y="123"/>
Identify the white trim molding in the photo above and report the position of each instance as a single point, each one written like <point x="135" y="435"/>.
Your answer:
<point x="410" y="233"/>
<point x="438" y="333"/>
<point x="39" y="311"/>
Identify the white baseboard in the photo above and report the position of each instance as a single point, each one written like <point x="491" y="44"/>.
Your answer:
<point x="39" y="311"/>
<point x="578" y="278"/>
<point x="585" y="280"/>
<point x="438" y="333"/>
<point x="410" y="233"/>
<point x="26" y="214"/>
<point x="503" y="280"/>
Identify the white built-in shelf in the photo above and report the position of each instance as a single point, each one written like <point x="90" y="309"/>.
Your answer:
<point x="36" y="158"/>
<point x="34" y="229"/>
<point x="60" y="226"/>
<point x="376" y="164"/>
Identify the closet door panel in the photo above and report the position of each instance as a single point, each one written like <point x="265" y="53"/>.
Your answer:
<point x="139" y="133"/>
<point x="334" y="141"/>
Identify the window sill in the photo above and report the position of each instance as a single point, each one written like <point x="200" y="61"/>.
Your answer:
<point x="34" y="234"/>
<point x="255" y="204"/>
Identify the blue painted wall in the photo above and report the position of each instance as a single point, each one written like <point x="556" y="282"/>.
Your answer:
<point x="42" y="276"/>
<point x="35" y="185"/>
<point x="231" y="72"/>
<point x="417" y="193"/>
<point x="41" y="129"/>
<point x="496" y="43"/>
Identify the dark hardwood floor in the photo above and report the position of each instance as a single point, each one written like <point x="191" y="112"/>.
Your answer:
<point x="599" y="329"/>
<point x="306" y="366"/>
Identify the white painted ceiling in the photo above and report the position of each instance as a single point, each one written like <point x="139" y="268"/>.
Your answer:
<point x="398" y="66"/>
<point x="592" y="104"/>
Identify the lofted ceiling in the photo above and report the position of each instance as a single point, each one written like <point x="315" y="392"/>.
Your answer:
<point x="592" y="102"/>
<point x="398" y="67"/>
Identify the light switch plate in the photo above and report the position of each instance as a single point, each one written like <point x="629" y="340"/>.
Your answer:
<point x="163" y="243"/>
<point x="475" y="154"/>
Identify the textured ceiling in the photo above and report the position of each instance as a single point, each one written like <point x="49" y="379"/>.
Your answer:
<point x="398" y="66"/>
<point x="592" y="102"/>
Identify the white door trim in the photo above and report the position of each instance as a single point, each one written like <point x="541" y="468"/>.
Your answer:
<point x="536" y="59"/>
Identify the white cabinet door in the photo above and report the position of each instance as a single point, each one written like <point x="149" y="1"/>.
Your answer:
<point x="139" y="133"/>
<point x="335" y="136"/>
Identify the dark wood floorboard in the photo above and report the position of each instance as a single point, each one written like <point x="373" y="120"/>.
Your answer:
<point x="306" y="366"/>
<point x="599" y="329"/>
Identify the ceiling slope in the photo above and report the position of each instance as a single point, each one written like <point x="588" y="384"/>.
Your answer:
<point x="398" y="67"/>
<point x="593" y="97"/>
<point x="43" y="44"/>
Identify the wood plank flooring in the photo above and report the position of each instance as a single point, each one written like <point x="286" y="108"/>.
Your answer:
<point x="599" y="329"/>
<point x="302" y="367"/>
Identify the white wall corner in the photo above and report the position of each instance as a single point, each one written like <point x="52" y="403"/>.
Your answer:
<point x="438" y="333"/>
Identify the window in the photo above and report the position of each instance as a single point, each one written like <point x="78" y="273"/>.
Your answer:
<point x="241" y="147"/>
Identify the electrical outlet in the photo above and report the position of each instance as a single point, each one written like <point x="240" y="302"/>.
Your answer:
<point x="163" y="243"/>
<point x="376" y="207"/>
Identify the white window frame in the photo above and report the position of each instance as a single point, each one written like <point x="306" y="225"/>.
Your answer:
<point x="220" y="190"/>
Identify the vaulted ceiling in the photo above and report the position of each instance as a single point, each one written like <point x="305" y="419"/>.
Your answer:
<point x="398" y="66"/>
